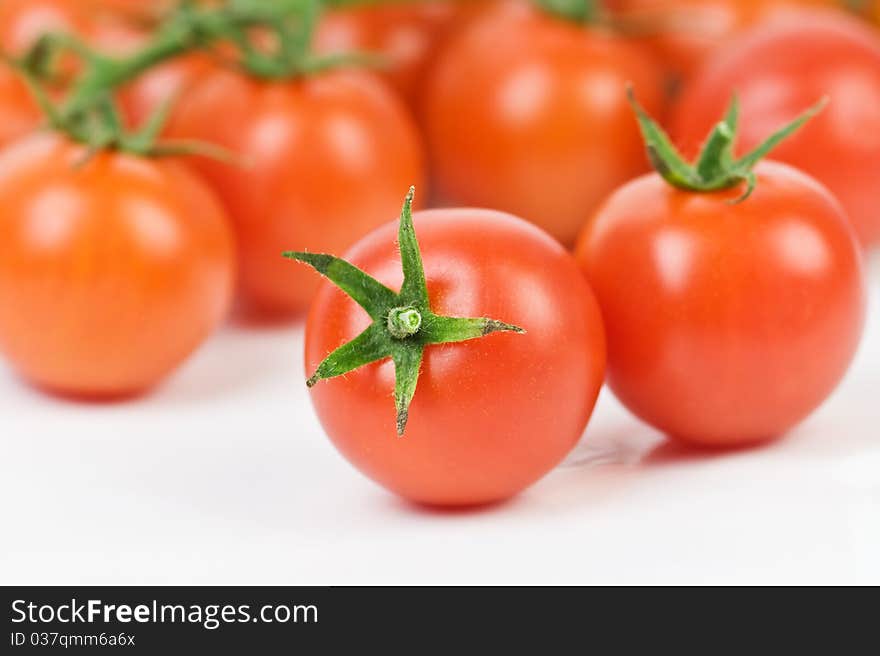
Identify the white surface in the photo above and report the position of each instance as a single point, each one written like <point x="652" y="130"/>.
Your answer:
<point x="225" y="477"/>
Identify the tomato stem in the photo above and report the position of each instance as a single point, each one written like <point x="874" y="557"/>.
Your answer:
<point x="88" y="113"/>
<point x="403" y="322"/>
<point x="578" y="11"/>
<point x="716" y="168"/>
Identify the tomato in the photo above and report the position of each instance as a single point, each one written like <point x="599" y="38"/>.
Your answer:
<point x="492" y="415"/>
<point x="111" y="272"/>
<point x="727" y="323"/>
<point x="527" y="113"/>
<point x="19" y="113"/>
<point x="779" y="69"/>
<point x="324" y="160"/>
<point x="685" y="32"/>
<point x="407" y="36"/>
<point x="21" y="23"/>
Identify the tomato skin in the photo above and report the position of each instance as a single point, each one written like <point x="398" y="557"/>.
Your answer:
<point x="21" y="22"/>
<point x="407" y="35"/>
<point x="19" y="113"/>
<point x="537" y="124"/>
<point x="727" y="323"/>
<point x="777" y="72"/>
<point x="111" y="273"/>
<point x="325" y="160"/>
<point x="689" y="31"/>
<point x="492" y="415"/>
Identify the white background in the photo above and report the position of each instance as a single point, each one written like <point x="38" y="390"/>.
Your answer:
<point x="223" y="476"/>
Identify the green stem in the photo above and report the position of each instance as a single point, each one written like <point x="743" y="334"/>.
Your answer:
<point x="716" y="167"/>
<point x="403" y="323"/>
<point x="578" y="11"/>
<point x="83" y="115"/>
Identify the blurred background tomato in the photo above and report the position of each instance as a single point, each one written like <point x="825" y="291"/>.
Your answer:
<point x="778" y="69"/>
<point x="684" y="32"/>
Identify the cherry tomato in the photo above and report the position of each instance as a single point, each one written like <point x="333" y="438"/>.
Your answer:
<point x="19" y="113"/>
<point x="324" y="159"/>
<point x="21" y="23"/>
<point x="727" y="323"/>
<point x="781" y="68"/>
<point x="526" y="112"/>
<point x="492" y="415"/>
<point x="111" y="272"/>
<point x="685" y="32"/>
<point x="406" y="35"/>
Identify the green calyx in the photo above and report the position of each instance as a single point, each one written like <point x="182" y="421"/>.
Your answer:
<point x="578" y="11"/>
<point x="271" y="39"/>
<point x="403" y="323"/>
<point x="715" y="168"/>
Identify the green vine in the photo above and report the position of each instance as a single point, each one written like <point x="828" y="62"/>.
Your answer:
<point x="89" y="114"/>
<point x="403" y="323"/>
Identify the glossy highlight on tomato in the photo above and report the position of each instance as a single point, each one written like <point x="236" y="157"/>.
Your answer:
<point x="728" y="323"/>
<point x="526" y="112"/>
<point x="112" y="270"/>
<point x="781" y="68"/>
<point x="492" y="415"/>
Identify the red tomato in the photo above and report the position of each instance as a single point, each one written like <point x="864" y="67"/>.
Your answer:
<point x="727" y="323"/>
<point x="492" y="415"/>
<point x="780" y="69"/>
<point x="406" y="35"/>
<point x="21" y="23"/>
<point x="19" y="113"/>
<point x="111" y="272"/>
<point x="324" y="160"/>
<point x="527" y="113"/>
<point x="685" y="32"/>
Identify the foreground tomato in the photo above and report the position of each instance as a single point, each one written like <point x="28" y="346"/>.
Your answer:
<point x="323" y="160"/>
<point x="526" y="112"/>
<point x="488" y="416"/>
<point x="777" y="70"/>
<point x="111" y="271"/>
<point x="729" y="320"/>
<point x="685" y="32"/>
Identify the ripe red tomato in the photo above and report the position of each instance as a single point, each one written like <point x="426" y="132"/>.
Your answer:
<point x="779" y="69"/>
<point x="492" y="415"/>
<point x="727" y="323"/>
<point x="324" y="160"/>
<point x="406" y="35"/>
<point x="685" y="32"/>
<point x="527" y="113"/>
<point x="111" y="271"/>
<point x="19" y="113"/>
<point x="21" y="23"/>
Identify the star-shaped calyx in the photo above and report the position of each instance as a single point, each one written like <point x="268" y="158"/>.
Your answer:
<point x="403" y="323"/>
<point x="715" y="168"/>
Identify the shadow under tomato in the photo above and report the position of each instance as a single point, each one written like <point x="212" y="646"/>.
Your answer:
<point x="436" y="510"/>
<point x="673" y="451"/>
